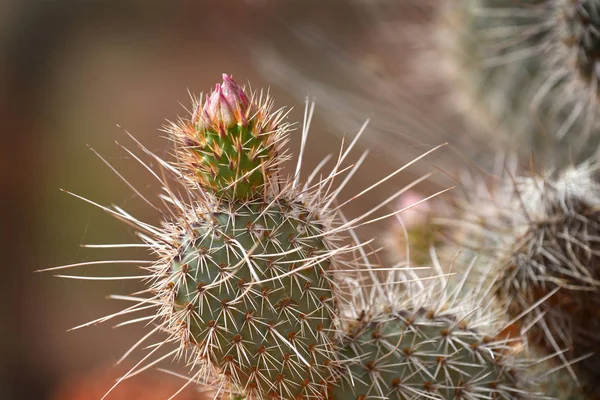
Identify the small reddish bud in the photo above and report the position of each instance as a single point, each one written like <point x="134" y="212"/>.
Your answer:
<point x="227" y="105"/>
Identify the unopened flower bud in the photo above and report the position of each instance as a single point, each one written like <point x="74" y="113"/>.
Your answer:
<point x="218" y="110"/>
<point x="236" y="98"/>
<point x="230" y="145"/>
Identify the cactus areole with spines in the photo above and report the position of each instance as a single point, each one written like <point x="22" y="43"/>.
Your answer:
<point x="417" y="354"/>
<point x="230" y="144"/>
<point x="250" y="290"/>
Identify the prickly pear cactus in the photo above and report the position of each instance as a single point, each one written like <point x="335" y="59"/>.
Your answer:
<point x="252" y="296"/>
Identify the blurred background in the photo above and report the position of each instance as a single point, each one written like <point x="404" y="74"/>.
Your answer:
<point x="70" y="71"/>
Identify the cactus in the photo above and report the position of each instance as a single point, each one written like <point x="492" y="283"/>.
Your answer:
<point x="252" y="296"/>
<point x="230" y="146"/>
<point x="252" y="292"/>
<point x="522" y="70"/>
<point x="538" y="234"/>
<point x="408" y="354"/>
<point x="421" y="340"/>
<point x="249" y="265"/>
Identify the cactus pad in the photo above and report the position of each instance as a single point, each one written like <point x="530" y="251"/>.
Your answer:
<point x="250" y="294"/>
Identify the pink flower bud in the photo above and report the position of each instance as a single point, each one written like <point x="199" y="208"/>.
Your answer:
<point x="227" y="105"/>
<point x="218" y="109"/>
<point x="236" y="97"/>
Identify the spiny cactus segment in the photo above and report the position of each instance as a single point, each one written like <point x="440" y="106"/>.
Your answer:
<point x="250" y="267"/>
<point x="538" y="237"/>
<point x="250" y="290"/>
<point x="231" y="144"/>
<point x="417" y="354"/>
<point x="420" y="339"/>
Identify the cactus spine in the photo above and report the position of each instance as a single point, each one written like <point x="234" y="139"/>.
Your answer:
<point x="538" y="237"/>
<point x="247" y="281"/>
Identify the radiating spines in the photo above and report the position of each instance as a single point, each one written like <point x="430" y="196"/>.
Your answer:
<point x="232" y="144"/>
<point x="538" y="235"/>
<point x="251" y="293"/>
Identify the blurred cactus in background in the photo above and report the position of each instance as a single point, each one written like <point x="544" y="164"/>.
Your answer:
<point x="523" y="73"/>
<point x="537" y="238"/>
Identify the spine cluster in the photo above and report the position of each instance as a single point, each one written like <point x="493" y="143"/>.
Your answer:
<point x="536" y="238"/>
<point x="263" y="287"/>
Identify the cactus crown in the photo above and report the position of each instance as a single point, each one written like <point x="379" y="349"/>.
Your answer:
<point x="231" y="145"/>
